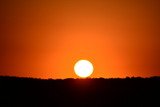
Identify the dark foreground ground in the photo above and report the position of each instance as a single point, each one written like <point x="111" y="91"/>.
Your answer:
<point x="129" y="92"/>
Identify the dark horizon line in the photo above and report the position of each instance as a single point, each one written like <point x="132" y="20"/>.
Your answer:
<point x="88" y="78"/>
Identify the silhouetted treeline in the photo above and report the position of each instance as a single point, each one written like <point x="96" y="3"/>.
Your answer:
<point x="90" y="92"/>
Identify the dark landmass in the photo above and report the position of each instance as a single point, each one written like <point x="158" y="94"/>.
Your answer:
<point x="96" y="92"/>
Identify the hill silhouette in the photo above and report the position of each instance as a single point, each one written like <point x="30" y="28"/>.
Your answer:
<point x="96" y="92"/>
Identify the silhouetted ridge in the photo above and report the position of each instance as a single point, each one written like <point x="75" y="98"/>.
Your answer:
<point x="90" y="92"/>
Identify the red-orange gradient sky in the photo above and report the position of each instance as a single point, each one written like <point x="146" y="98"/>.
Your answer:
<point x="44" y="38"/>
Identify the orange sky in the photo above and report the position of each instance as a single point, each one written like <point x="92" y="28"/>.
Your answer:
<point x="44" y="38"/>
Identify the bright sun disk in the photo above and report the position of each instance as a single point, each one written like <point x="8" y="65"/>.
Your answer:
<point x="83" y="68"/>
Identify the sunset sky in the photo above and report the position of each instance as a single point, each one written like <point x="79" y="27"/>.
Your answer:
<point x="45" y="38"/>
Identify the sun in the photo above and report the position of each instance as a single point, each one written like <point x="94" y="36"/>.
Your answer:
<point x="83" y="68"/>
